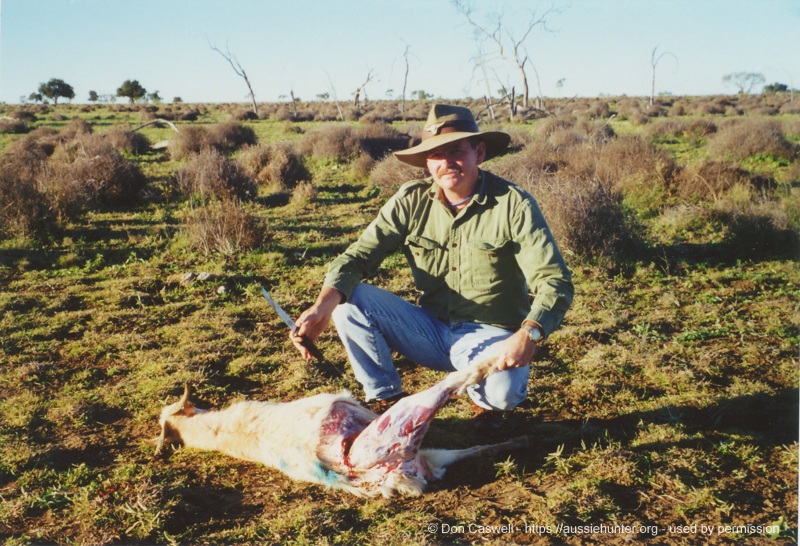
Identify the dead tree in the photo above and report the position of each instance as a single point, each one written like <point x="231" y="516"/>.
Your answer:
<point x="654" y="60"/>
<point x="295" y="101"/>
<point x="335" y="98"/>
<point x="504" y="40"/>
<point x="237" y="67"/>
<point x="405" y="81"/>
<point x="480" y="62"/>
<point x="361" y="88"/>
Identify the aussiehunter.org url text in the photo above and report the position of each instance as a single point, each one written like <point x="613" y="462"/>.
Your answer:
<point x="603" y="529"/>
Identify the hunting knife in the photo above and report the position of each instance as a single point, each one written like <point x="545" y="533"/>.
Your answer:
<point x="304" y="341"/>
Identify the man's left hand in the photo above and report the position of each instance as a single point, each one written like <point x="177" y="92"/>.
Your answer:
<point x="515" y="351"/>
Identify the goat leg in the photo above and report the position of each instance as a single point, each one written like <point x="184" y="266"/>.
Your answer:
<point x="396" y="435"/>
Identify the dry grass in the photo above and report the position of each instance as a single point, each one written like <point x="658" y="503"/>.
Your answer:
<point x="224" y="227"/>
<point x="668" y="398"/>
<point x="304" y="194"/>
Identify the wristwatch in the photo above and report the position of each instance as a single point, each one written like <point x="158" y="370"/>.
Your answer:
<point x="535" y="333"/>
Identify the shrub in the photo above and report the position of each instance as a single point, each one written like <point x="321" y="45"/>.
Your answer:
<point x="244" y="115"/>
<point x="587" y="218"/>
<point x="73" y="129"/>
<point x="25" y="158"/>
<point x="790" y="108"/>
<point x="89" y="171"/>
<point x="389" y="174"/>
<point x="339" y="142"/>
<point x="791" y="128"/>
<point x="663" y="130"/>
<point x="229" y="136"/>
<point x="622" y="164"/>
<point x="14" y="127"/>
<point x="304" y="194"/>
<point x="191" y="115"/>
<point x="701" y="128"/>
<point x="676" y="110"/>
<point x="24" y="212"/>
<point x="189" y="141"/>
<point x="565" y="137"/>
<point x="379" y="140"/>
<point x="752" y="137"/>
<point x="224" y="227"/>
<point x="225" y="137"/>
<point x="537" y="163"/>
<point x="708" y="179"/>
<point x="585" y="214"/>
<point x="23" y="115"/>
<point x="598" y="110"/>
<point x="276" y="165"/>
<point x="211" y="174"/>
<point x="757" y="231"/>
<point x="123" y="139"/>
<point x="362" y="166"/>
<point x="547" y="126"/>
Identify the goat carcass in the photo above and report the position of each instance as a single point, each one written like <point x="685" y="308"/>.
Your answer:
<point x="330" y="439"/>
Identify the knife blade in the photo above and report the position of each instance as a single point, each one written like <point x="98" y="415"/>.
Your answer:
<point x="284" y="316"/>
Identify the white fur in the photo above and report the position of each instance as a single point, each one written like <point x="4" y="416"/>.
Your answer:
<point x="288" y="437"/>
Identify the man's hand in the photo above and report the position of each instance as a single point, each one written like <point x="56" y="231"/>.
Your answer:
<point x="313" y="321"/>
<point x="515" y="351"/>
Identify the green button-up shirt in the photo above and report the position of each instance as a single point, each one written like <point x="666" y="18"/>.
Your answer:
<point x="495" y="262"/>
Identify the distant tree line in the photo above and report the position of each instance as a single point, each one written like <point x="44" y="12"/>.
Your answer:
<point x="55" y="89"/>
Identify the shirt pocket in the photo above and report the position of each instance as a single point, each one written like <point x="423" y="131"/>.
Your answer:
<point x="428" y="261"/>
<point x="487" y="261"/>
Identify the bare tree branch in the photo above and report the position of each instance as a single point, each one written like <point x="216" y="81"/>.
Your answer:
<point x="361" y="88"/>
<point x="653" y="64"/>
<point x="335" y="98"/>
<point x="503" y="39"/>
<point x="237" y="68"/>
<point x="405" y="80"/>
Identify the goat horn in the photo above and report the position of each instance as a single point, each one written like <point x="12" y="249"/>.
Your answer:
<point x="185" y="397"/>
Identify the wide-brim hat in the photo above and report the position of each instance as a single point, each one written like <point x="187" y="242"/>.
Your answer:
<point x="447" y="123"/>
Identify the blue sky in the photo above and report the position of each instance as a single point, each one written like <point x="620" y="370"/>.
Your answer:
<point x="594" y="47"/>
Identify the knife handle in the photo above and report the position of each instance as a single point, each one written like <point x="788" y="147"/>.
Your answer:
<point x="312" y="348"/>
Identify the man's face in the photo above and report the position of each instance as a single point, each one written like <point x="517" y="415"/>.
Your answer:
<point x="454" y="166"/>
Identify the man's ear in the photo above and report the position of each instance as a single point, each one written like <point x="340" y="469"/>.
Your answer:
<point x="481" y="150"/>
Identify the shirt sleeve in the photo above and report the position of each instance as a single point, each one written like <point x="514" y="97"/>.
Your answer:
<point x="361" y="260"/>
<point x="549" y="280"/>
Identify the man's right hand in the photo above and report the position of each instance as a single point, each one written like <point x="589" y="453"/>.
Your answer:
<point x="313" y="321"/>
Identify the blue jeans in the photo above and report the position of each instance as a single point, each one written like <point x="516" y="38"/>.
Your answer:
<point x="375" y="322"/>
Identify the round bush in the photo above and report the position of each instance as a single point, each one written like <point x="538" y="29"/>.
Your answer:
<point x="229" y="136"/>
<point x="211" y="174"/>
<point x="276" y="165"/>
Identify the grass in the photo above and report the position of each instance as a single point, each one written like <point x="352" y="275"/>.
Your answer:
<point x="667" y="402"/>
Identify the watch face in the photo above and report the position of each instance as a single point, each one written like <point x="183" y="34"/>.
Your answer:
<point x="534" y="333"/>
